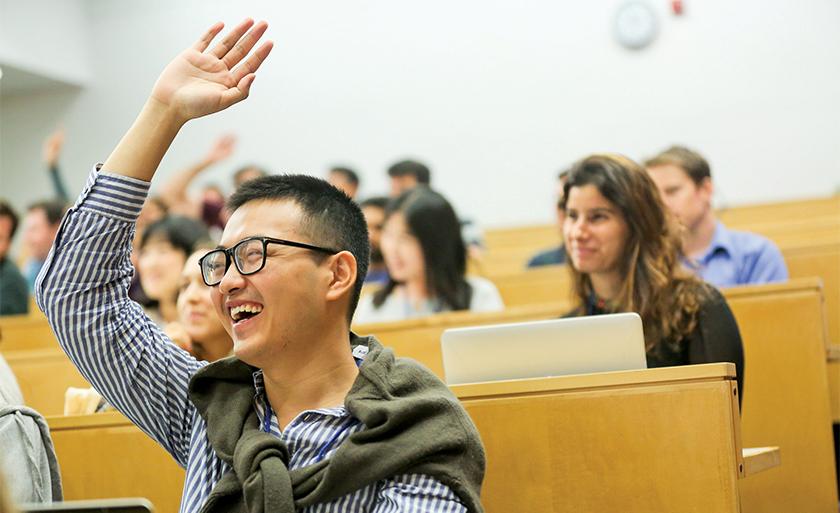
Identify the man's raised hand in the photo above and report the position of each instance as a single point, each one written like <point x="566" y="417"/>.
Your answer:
<point x="204" y="79"/>
<point x="200" y="81"/>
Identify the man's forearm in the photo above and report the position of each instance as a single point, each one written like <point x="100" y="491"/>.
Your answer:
<point x="139" y="152"/>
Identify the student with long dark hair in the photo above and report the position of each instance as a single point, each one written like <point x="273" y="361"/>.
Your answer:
<point x="163" y="250"/>
<point x="427" y="261"/>
<point x="624" y="253"/>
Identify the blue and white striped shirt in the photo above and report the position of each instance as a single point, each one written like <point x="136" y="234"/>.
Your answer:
<point x="83" y="289"/>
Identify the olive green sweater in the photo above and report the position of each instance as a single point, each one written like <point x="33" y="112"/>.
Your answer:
<point x="413" y="425"/>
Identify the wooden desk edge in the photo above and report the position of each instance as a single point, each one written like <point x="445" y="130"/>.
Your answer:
<point x="93" y="420"/>
<point x="759" y="459"/>
<point x="600" y="380"/>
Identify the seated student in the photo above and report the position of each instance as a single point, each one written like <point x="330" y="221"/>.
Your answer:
<point x="426" y="260"/>
<point x="554" y="256"/>
<point x="39" y="228"/>
<point x="198" y="329"/>
<point x="345" y="180"/>
<point x="374" y="212"/>
<point x="307" y="417"/>
<point x="163" y="250"/>
<point x="408" y="174"/>
<point x="624" y="255"/>
<point x="720" y="256"/>
<point x="14" y="293"/>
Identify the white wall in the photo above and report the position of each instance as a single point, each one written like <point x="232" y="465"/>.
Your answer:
<point x="495" y="96"/>
<point x="46" y="37"/>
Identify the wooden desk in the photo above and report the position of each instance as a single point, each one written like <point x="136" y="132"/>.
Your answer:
<point x="44" y="376"/>
<point x="105" y="456"/>
<point x="639" y="441"/>
<point x="786" y="399"/>
<point x="657" y="440"/>
<point x="24" y="332"/>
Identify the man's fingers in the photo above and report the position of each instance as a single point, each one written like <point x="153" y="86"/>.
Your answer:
<point x="253" y="63"/>
<point x="221" y="49"/>
<point x="244" y="45"/>
<point x="208" y="36"/>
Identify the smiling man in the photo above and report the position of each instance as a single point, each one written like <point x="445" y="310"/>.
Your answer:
<point x="307" y="416"/>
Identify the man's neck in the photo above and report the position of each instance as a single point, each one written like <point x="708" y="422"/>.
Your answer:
<point x="317" y="375"/>
<point x="697" y="239"/>
<point x="606" y="286"/>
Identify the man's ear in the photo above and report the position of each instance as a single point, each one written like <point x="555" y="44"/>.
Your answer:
<point x="344" y="271"/>
<point x="706" y="189"/>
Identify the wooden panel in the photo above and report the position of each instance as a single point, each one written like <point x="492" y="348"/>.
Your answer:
<point x="759" y="459"/>
<point x="785" y="400"/>
<point x="44" y="376"/>
<point x="823" y="262"/>
<point x="799" y="209"/>
<point x="610" y="446"/>
<point x="104" y="456"/>
<point x="21" y="332"/>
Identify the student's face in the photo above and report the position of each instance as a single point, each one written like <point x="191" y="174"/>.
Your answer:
<point x="196" y="312"/>
<point x="5" y="235"/>
<point x="38" y="234"/>
<point x="594" y="230"/>
<point x="340" y="182"/>
<point x="160" y="265"/>
<point x="400" y="184"/>
<point x="402" y="251"/>
<point x="375" y="218"/>
<point x="288" y="293"/>
<point x="684" y="198"/>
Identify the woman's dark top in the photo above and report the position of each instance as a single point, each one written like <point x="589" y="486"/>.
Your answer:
<point x="715" y="338"/>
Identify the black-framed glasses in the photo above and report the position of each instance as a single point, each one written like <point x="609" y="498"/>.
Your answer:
<point x="248" y="255"/>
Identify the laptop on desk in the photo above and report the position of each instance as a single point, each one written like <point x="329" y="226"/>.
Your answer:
<point x="578" y="345"/>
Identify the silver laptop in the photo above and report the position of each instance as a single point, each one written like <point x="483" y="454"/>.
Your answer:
<point x="578" y="345"/>
<point x="128" y="505"/>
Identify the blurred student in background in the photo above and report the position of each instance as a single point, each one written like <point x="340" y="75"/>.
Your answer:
<point x="717" y="254"/>
<point x="426" y="260"/>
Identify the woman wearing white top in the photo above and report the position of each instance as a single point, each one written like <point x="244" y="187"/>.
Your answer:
<point x="427" y="261"/>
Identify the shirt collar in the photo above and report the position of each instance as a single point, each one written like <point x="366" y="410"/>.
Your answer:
<point x="721" y="242"/>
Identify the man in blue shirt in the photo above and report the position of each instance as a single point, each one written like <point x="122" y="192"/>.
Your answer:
<point x="721" y="256"/>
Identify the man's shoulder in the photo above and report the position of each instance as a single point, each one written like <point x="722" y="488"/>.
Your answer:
<point x="553" y="256"/>
<point x="750" y="243"/>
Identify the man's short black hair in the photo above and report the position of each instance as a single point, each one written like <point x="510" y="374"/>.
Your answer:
<point x="54" y="209"/>
<point x="411" y="168"/>
<point x="348" y="174"/>
<point x="6" y="210"/>
<point x="376" y="201"/>
<point x="330" y="218"/>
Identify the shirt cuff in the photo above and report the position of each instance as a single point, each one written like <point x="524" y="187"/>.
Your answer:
<point x="113" y="195"/>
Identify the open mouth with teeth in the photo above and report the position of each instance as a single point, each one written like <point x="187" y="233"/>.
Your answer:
<point x="244" y="312"/>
